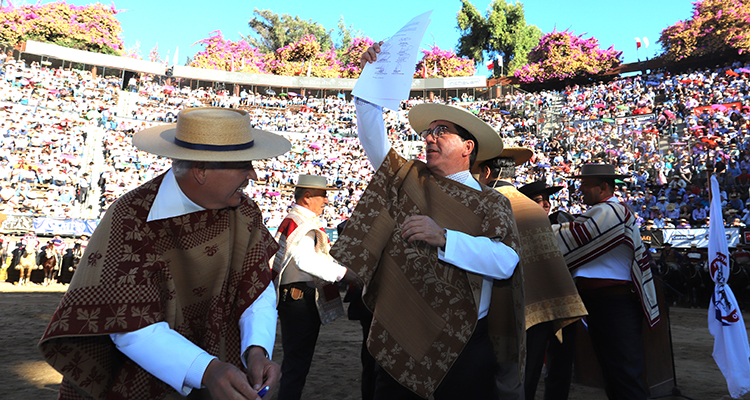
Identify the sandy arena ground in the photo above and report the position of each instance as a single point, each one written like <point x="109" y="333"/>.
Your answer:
<point x="335" y="370"/>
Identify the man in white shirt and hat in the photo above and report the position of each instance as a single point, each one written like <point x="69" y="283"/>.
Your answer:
<point x="173" y="295"/>
<point x="610" y="265"/>
<point x="306" y="282"/>
<point x="436" y="251"/>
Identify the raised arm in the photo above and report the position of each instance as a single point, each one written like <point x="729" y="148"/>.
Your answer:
<point x="370" y="125"/>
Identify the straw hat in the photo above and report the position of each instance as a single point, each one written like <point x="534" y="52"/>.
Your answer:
<point x="211" y="134"/>
<point x="489" y="143"/>
<point x="539" y="187"/>
<point x="605" y="171"/>
<point x="313" y="182"/>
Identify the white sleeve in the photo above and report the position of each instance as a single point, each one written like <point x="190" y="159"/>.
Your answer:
<point x="371" y="131"/>
<point x="315" y="264"/>
<point x="178" y="362"/>
<point x="165" y="354"/>
<point x="258" y="323"/>
<point x="479" y="254"/>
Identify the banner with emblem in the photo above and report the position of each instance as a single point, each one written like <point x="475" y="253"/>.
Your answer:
<point x="731" y="348"/>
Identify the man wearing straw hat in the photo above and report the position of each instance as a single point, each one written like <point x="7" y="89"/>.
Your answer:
<point x="173" y="293"/>
<point x="551" y="298"/>
<point x="603" y="250"/>
<point x="306" y="296"/>
<point x="435" y="250"/>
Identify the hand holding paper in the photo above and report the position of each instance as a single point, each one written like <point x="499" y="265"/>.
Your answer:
<point x="389" y="66"/>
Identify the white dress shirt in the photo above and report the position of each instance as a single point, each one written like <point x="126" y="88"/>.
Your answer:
<point x="307" y="260"/>
<point x="481" y="255"/>
<point x="164" y="352"/>
<point x="616" y="265"/>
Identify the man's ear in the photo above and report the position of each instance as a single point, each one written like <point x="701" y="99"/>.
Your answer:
<point x="486" y="172"/>
<point x="468" y="147"/>
<point x="198" y="172"/>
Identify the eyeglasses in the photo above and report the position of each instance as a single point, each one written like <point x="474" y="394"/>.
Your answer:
<point x="436" y="132"/>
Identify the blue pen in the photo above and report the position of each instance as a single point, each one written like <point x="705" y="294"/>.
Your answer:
<point x="263" y="391"/>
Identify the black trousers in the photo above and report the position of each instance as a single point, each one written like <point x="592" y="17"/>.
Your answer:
<point x="472" y="376"/>
<point x="300" y="325"/>
<point x="614" y="324"/>
<point x="358" y="311"/>
<point x="542" y="344"/>
<point x="368" y="362"/>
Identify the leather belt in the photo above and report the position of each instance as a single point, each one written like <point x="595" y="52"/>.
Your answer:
<point x="296" y="291"/>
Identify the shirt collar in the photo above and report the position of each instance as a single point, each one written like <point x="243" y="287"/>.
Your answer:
<point x="304" y="211"/>
<point x="465" y="178"/>
<point x="171" y="201"/>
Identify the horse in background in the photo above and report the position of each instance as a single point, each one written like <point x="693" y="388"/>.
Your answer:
<point x="26" y="264"/>
<point x="49" y="262"/>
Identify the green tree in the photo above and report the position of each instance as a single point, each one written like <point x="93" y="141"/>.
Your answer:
<point x="501" y="33"/>
<point x="272" y="31"/>
<point x="345" y="37"/>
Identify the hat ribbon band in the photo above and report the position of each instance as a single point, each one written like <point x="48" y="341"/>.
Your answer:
<point x="214" y="147"/>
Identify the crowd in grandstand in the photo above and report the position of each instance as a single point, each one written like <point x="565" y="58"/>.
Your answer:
<point x="665" y="130"/>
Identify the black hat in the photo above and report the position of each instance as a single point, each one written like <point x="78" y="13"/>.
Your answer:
<point x="599" y="171"/>
<point x="539" y="187"/>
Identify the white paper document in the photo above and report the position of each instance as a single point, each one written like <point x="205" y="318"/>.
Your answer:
<point x="387" y="81"/>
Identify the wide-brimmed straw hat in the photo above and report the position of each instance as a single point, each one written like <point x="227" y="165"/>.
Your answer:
<point x="313" y="182"/>
<point x="604" y="171"/>
<point x="489" y="143"/>
<point x="539" y="187"/>
<point x="211" y="134"/>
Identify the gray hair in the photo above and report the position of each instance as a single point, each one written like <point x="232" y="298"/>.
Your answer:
<point x="299" y="192"/>
<point x="181" y="167"/>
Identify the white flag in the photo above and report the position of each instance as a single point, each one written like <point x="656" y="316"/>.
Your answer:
<point x="645" y="42"/>
<point x="731" y="348"/>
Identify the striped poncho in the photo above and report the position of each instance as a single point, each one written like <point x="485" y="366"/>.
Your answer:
<point x="600" y="229"/>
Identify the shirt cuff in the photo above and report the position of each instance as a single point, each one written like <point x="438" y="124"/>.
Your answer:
<point x="342" y="273"/>
<point x="163" y="352"/>
<point x="479" y="254"/>
<point x="194" y="376"/>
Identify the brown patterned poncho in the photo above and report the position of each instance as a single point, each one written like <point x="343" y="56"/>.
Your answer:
<point x="549" y="291"/>
<point x="425" y="310"/>
<point x="198" y="272"/>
